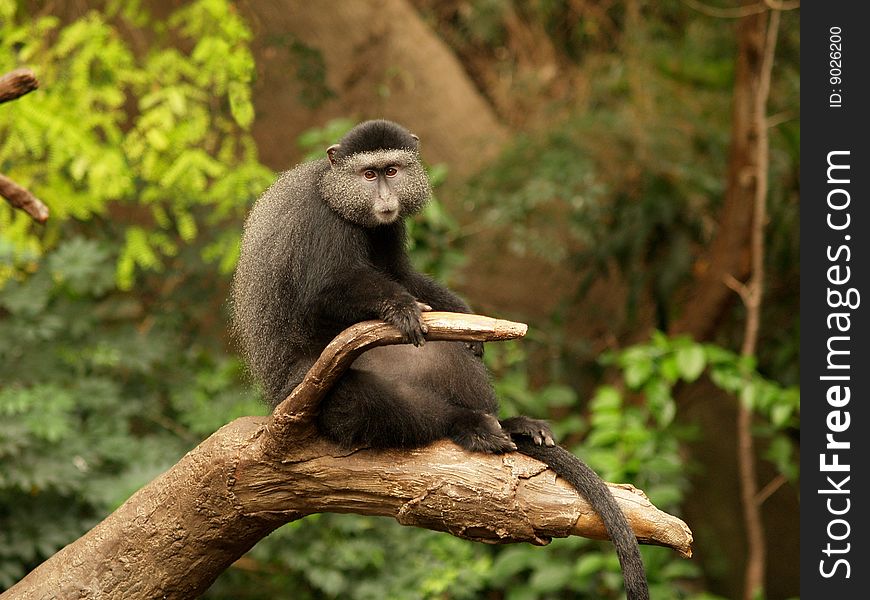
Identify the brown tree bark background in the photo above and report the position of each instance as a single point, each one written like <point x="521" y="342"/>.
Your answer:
<point x="382" y="61"/>
<point x="728" y="255"/>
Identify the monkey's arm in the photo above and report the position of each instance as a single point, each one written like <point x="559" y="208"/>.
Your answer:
<point x="429" y="291"/>
<point x="366" y="293"/>
<point x="422" y="287"/>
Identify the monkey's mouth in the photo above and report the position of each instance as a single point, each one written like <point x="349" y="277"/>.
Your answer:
<point x="387" y="216"/>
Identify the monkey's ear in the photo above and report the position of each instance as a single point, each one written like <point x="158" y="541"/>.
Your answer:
<point x="330" y="152"/>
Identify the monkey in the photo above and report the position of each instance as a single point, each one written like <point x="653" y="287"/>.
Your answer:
<point x="324" y="247"/>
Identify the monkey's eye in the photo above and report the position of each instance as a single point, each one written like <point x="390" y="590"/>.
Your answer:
<point x="391" y="171"/>
<point x="370" y="175"/>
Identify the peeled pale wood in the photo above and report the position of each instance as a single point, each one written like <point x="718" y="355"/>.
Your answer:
<point x="483" y="497"/>
<point x="173" y="537"/>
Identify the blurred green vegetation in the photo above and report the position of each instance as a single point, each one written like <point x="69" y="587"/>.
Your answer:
<point x="113" y="353"/>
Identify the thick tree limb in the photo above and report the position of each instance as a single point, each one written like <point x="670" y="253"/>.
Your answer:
<point x="177" y="534"/>
<point x="15" y="84"/>
<point x="21" y="198"/>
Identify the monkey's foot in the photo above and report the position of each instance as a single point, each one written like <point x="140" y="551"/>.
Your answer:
<point x="476" y="348"/>
<point x="481" y="432"/>
<point x="536" y="429"/>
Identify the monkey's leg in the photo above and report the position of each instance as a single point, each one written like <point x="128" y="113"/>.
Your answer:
<point x="479" y="432"/>
<point x="367" y="409"/>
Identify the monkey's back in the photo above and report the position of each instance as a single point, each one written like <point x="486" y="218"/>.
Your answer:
<point x="272" y="287"/>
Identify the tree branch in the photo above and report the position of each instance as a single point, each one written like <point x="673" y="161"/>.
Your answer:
<point x="727" y="253"/>
<point x="15" y="84"/>
<point x="756" y="555"/>
<point x="21" y="198"/>
<point x="173" y="537"/>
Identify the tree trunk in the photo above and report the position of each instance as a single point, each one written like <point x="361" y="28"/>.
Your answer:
<point x="728" y="255"/>
<point x="379" y="60"/>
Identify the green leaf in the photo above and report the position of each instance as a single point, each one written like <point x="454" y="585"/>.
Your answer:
<point x="669" y="368"/>
<point x="551" y="577"/>
<point x="186" y="225"/>
<point x="241" y="106"/>
<point x="780" y="414"/>
<point x="638" y="372"/>
<point x="509" y="563"/>
<point x="82" y="265"/>
<point x="781" y="452"/>
<point x="691" y="362"/>
<point x="559" y="396"/>
<point x="727" y="378"/>
<point x="589" y="565"/>
<point x="607" y="398"/>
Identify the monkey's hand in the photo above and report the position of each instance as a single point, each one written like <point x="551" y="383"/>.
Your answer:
<point x="403" y="312"/>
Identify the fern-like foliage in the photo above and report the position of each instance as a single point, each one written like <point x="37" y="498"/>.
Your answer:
<point x="153" y="140"/>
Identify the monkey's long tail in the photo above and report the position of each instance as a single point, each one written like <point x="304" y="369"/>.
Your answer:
<point x="589" y="484"/>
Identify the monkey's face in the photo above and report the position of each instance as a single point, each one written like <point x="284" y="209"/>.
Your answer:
<point x="376" y="188"/>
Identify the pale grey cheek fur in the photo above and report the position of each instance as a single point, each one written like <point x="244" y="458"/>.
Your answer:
<point x="413" y="190"/>
<point x="345" y="193"/>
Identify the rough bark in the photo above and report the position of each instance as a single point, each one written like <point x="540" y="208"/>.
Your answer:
<point x="177" y="534"/>
<point x="751" y="294"/>
<point x="735" y="256"/>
